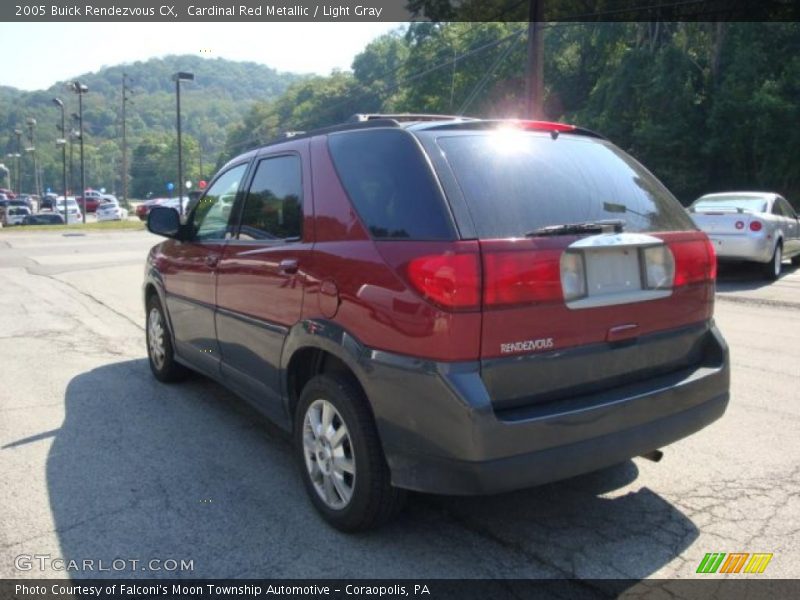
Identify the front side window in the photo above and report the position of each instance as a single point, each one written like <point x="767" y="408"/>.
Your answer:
<point x="273" y="209"/>
<point x="212" y="215"/>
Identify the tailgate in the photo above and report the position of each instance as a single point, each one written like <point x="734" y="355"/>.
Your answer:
<point x="543" y="340"/>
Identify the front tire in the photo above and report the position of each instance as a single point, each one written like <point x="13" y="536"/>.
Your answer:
<point x="340" y="456"/>
<point x="160" y="351"/>
<point x="772" y="270"/>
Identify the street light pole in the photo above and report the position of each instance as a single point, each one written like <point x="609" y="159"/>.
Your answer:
<point x="178" y="77"/>
<point x="32" y="137"/>
<point x="81" y="89"/>
<point x="62" y="141"/>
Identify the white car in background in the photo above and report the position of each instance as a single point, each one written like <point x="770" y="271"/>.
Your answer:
<point x="15" y="215"/>
<point x="110" y="210"/>
<point x="73" y="210"/>
<point x="759" y="227"/>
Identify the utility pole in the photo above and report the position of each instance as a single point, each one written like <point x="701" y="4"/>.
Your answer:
<point x="125" y="99"/>
<point x="200" y="147"/>
<point x="177" y="78"/>
<point x="18" y="135"/>
<point x="534" y="86"/>
<point x="72" y="137"/>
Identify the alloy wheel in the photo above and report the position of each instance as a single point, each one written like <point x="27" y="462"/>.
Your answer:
<point x="155" y="338"/>
<point x="328" y="452"/>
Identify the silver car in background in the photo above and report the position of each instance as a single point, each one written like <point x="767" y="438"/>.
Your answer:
<point x="110" y="210"/>
<point x="759" y="227"/>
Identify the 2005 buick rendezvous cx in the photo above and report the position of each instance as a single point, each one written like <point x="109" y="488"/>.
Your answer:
<point x="447" y="305"/>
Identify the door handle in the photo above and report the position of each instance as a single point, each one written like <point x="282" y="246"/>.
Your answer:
<point x="288" y="266"/>
<point x="212" y="260"/>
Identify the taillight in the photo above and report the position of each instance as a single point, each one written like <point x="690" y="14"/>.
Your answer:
<point x="739" y="225"/>
<point x="712" y="257"/>
<point x="451" y="281"/>
<point x="545" y="126"/>
<point x="512" y="278"/>
<point x="755" y="226"/>
<point x="694" y="262"/>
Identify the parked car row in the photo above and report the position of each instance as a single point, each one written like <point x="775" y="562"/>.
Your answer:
<point x="20" y="212"/>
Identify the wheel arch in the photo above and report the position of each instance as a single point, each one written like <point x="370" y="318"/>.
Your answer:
<point x="154" y="284"/>
<point x="315" y="347"/>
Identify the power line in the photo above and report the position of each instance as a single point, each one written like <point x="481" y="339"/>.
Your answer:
<point x="484" y="80"/>
<point x="389" y="87"/>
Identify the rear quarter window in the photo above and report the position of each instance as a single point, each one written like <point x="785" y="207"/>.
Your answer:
<point x="390" y="184"/>
<point x="515" y="182"/>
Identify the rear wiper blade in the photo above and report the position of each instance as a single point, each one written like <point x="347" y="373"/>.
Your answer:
<point x="607" y="226"/>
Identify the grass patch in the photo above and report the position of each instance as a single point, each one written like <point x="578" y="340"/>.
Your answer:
<point x="129" y="225"/>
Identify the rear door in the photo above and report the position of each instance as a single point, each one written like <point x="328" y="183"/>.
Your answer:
<point x="565" y="311"/>
<point x="260" y="281"/>
<point x="191" y="269"/>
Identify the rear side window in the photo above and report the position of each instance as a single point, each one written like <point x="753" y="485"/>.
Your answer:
<point x="515" y="182"/>
<point x="787" y="209"/>
<point x="273" y="209"/>
<point x="390" y="184"/>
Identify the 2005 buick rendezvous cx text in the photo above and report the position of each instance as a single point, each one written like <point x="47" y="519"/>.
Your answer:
<point x="447" y="305"/>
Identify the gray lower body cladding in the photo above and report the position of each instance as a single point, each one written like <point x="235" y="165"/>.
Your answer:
<point x="443" y="432"/>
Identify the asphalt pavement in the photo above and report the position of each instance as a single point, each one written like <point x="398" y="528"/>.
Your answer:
<point x="101" y="462"/>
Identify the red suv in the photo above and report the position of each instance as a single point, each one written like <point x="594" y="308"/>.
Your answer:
<point x="447" y="305"/>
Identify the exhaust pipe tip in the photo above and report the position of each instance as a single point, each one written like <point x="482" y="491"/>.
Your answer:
<point x="654" y="455"/>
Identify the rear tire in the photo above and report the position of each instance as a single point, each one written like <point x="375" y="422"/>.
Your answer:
<point x="160" y="351"/>
<point x="796" y="260"/>
<point x="340" y="456"/>
<point x="772" y="270"/>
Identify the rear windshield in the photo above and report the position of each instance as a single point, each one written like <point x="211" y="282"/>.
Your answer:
<point x="730" y="202"/>
<point x="390" y="184"/>
<point x="515" y="182"/>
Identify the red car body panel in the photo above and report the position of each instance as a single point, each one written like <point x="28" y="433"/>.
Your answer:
<point x="388" y="314"/>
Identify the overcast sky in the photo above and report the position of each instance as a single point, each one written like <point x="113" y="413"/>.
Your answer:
<point x="37" y="55"/>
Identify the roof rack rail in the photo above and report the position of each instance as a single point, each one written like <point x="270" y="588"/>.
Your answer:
<point x="295" y="135"/>
<point x="405" y="117"/>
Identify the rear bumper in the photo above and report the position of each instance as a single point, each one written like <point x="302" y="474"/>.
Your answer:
<point x="441" y="433"/>
<point x="742" y="247"/>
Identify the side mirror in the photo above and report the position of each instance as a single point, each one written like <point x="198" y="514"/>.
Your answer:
<point x="164" y="221"/>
